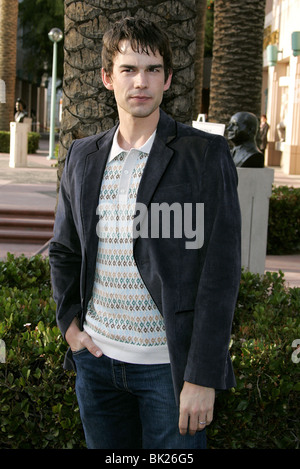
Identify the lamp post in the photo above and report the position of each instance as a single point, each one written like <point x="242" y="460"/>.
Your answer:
<point x="55" y="35"/>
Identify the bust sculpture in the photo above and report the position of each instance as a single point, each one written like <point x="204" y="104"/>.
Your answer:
<point x="242" y="130"/>
<point x="20" y="111"/>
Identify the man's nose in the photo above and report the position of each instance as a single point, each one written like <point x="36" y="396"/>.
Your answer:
<point x="141" y="80"/>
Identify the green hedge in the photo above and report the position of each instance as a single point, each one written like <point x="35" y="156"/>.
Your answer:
<point x="33" y="142"/>
<point x="263" y="410"/>
<point x="38" y="407"/>
<point x="4" y="141"/>
<point x="284" y="221"/>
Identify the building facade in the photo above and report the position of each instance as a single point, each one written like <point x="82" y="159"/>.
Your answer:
<point x="281" y="85"/>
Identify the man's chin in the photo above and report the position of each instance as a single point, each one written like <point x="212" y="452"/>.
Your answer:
<point x="143" y="113"/>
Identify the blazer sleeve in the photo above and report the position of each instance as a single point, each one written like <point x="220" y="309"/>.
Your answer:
<point x="208" y="358"/>
<point x="65" y="256"/>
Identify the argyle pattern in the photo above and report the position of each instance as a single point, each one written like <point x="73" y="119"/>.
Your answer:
<point x="121" y="308"/>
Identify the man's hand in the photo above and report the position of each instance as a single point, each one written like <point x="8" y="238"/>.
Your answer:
<point x="78" y="339"/>
<point x="196" y="408"/>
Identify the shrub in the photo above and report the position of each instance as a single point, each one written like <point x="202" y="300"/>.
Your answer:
<point x="38" y="406"/>
<point x="284" y="221"/>
<point x="262" y="411"/>
<point x="33" y="142"/>
<point x="4" y="141"/>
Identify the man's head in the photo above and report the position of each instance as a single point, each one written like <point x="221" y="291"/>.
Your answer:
<point x="137" y="67"/>
<point x="143" y="36"/>
<point x="263" y="118"/>
<point x="242" y="127"/>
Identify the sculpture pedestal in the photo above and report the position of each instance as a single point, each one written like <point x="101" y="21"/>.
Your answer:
<point x="18" y="145"/>
<point x="254" y="190"/>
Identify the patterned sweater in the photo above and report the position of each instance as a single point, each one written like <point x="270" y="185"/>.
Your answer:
<point x="122" y="318"/>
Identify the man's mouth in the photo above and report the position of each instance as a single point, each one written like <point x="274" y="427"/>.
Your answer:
<point x="140" y="97"/>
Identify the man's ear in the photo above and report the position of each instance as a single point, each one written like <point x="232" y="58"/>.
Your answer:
<point x="106" y="79"/>
<point x="168" y="81"/>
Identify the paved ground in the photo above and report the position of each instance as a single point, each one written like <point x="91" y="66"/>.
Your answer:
<point x="35" y="187"/>
<point x="31" y="187"/>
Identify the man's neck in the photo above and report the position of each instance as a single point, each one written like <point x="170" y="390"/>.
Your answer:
<point x="135" y="131"/>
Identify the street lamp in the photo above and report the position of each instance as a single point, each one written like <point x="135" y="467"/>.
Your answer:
<point x="55" y="35"/>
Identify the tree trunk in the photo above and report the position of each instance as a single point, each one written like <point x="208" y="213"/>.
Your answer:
<point x="88" y="107"/>
<point x="8" y="58"/>
<point x="236" y="76"/>
<point x="201" y="6"/>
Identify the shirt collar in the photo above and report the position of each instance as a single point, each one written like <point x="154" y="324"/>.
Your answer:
<point x="116" y="149"/>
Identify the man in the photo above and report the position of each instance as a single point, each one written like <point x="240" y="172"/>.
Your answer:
<point x="147" y="315"/>
<point x="242" y="130"/>
<point x="263" y="132"/>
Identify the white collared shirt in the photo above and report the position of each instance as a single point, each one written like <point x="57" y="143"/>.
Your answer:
<point x="116" y="149"/>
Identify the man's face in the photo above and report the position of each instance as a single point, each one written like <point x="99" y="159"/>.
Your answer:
<point x="138" y="81"/>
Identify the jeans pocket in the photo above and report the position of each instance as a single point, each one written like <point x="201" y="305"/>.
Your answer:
<point x="79" y="352"/>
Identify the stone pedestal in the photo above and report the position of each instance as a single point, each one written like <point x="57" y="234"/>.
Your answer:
<point x="18" y="145"/>
<point x="28" y="121"/>
<point x="254" y="189"/>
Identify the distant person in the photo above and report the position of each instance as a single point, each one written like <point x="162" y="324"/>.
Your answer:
<point x="20" y="111"/>
<point x="242" y="130"/>
<point x="263" y="132"/>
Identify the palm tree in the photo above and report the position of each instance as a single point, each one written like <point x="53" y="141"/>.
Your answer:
<point x="88" y="107"/>
<point x="236" y="76"/>
<point x="8" y="58"/>
<point x="199" y="55"/>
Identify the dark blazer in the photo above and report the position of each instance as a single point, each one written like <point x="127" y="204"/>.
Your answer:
<point x="194" y="289"/>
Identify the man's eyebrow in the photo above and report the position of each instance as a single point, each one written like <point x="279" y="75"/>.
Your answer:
<point x="149" y="67"/>
<point x="155" y="66"/>
<point x="126" y="66"/>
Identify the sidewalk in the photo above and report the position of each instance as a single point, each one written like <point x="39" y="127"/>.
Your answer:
<point x="35" y="187"/>
<point x="288" y="264"/>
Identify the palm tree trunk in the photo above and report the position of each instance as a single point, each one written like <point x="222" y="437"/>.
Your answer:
<point x="88" y="107"/>
<point x="201" y="6"/>
<point x="8" y="58"/>
<point x="236" y="76"/>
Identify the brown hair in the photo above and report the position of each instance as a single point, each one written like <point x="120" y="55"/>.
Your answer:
<point x="142" y="35"/>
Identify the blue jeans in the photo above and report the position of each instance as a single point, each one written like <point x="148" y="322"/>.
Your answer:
<point x="128" y="406"/>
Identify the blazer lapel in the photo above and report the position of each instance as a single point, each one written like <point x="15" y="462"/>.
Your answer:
<point x="91" y="184"/>
<point x="158" y="160"/>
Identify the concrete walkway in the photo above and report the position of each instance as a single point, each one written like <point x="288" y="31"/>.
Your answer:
<point x="32" y="187"/>
<point x="35" y="187"/>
